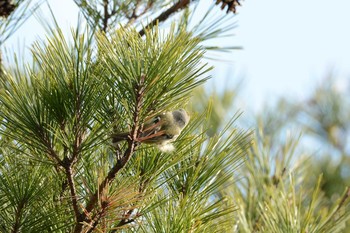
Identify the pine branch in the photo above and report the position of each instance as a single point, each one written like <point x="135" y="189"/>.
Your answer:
<point x="73" y="192"/>
<point x="166" y="14"/>
<point x="13" y="14"/>
<point x="126" y="218"/>
<point x="231" y="5"/>
<point x="1" y="71"/>
<point x="18" y="214"/>
<point x="96" y="219"/>
<point x="124" y="222"/>
<point x="344" y="198"/>
<point x="134" y="14"/>
<point x="132" y="144"/>
<point x="51" y="151"/>
<point x="6" y="8"/>
<point x="106" y="15"/>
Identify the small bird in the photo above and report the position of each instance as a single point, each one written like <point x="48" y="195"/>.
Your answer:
<point x="161" y="130"/>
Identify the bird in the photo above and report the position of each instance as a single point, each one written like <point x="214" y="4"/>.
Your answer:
<point x="161" y="130"/>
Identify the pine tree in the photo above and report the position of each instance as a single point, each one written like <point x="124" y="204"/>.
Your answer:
<point x="60" y="113"/>
<point x="61" y="172"/>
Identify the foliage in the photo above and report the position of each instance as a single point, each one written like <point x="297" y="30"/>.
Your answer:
<point x="60" y="172"/>
<point x="275" y="196"/>
<point x="58" y="116"/>
<point x="14" y="15"/>
<point x="280" y="187"/>
<point x="322" y="118"/>
<point x="109" y="14"/>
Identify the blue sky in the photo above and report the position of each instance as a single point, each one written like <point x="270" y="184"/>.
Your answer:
<point x="289" y="46"/>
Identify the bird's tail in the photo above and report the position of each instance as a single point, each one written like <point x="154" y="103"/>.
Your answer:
<point x="118" y="137"/>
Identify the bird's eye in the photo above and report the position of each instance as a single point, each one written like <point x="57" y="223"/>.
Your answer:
<point x="168" y="136"/>
<point x="156" y="120"/>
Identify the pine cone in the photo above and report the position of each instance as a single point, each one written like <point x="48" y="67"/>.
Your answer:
<point x="6" y="8"/>
<point x="231" y="5"/>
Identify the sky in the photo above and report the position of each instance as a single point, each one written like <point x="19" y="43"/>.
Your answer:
<point x="288" y="46"/>
<point x="291" y="46"/>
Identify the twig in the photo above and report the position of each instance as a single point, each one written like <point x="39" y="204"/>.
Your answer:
<point x="0" y="65"/>
<point x="94" y="198"/>
<point x="165" y="15"/>
<point x="126" y="218"/>
<point x="73" y="192"/>
<point x="111" y="175"/>
<point x="16" y="226"/>
<point x="345" y="197"/>
<point x="133" y="15"/>
<point x="106" y="15"/>
<point x="96" y="219"/>
<point x="50" y="149"/>
<point x="124" y="222"/>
